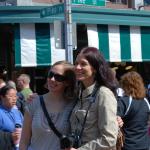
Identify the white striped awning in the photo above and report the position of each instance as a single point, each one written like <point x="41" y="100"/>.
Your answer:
<point x="35" y="45"/>
<point x="121" y="43"/>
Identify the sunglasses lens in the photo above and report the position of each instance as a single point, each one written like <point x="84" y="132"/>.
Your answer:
<point x="58" y="77"/>
<point x="50" y="74"/>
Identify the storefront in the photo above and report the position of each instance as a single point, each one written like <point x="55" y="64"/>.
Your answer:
<point x="123" y="37"/>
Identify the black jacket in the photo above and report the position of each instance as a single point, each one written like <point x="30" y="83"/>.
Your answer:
<point x="135" y="123"/>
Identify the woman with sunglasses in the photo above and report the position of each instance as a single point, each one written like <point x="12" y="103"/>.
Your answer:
<point x="36" y="133"/>
<point x="93" y="119"/>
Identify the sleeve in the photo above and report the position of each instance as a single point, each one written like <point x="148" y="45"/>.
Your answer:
<point x="6" y="141"/>
<point x="122" y="105"/>
<point x="107" y="123"/>
<point x="21" y="103"/>
<point x="32" y="106"/>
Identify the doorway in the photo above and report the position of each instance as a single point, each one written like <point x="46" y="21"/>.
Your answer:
<point x="6" y="51"/>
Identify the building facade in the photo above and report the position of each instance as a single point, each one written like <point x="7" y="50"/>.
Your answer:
<point x="30" y="44"/>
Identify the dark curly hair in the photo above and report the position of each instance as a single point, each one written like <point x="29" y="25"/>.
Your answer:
<point x="133" y="85"/>
<point x="104" y="75"/>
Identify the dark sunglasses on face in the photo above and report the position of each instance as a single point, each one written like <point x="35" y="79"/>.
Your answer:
<point x="57" y="77"/>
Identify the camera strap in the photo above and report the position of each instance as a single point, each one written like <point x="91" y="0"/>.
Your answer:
<point x="49" y="120"/>
<point x="91" y="99"/>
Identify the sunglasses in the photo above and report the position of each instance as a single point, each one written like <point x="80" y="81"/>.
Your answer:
<point x="57" y="77"/>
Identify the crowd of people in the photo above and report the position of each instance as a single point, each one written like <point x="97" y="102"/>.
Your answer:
<point x="83" y="109"/>
<point x="12" y="107"/>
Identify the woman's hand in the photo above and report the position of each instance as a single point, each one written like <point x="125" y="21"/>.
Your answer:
<point x="120" y="121"/>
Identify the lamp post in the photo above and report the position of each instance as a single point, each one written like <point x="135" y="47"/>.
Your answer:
<point x="68" y="31"/>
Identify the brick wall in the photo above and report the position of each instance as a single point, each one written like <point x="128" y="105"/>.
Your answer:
<point x="116" y="6"/>
<point x="122" y="6"/>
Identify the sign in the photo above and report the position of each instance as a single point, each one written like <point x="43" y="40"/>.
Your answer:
<point x="89" y="2"/>
<point x="52" y="10"/>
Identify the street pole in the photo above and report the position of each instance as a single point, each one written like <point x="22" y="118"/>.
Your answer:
<point x="68" y="31"/>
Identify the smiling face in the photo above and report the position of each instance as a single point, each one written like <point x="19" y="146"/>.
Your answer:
<point x="9" y="100"/>
<point x="84" y="71"/>
<point x="56" y="80"/>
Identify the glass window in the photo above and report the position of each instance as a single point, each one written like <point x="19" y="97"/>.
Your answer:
<point x="146" y="2"/>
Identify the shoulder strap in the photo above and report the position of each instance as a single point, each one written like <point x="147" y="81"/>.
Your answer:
<point x="92" y="100"/>
<point x="130" y="101"/>
<point x="93" y="95"/>
<point x="51" y="124"/>
<point x="147" y="103"/>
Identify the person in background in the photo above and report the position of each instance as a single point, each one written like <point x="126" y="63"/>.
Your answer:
<point x="36" y="133"/>
<point x="20" y="98"/>
<point x="148" y="92"/>
<point x="11" y="83"/>
<point x="23" y="84"/>
<point x="134" y="109"/>
<point x="119" y="90"/>
<point x="2" y="83"/>
<point x="9" y="117"/>
<point x="93" y="119"/>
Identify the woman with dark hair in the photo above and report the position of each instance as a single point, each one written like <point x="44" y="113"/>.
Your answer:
<point x="36" y="133"/>
<point x="10" y="116"/>
<point x="134" y="110"/>
<point x="93" y="119"/>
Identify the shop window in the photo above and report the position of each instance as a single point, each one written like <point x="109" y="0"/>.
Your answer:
<point x="119" y="1"/>
<point x="146" y="2"/>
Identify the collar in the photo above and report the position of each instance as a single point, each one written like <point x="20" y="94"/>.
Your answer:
<point x="5" y="109"/>
<point x="88" y="91"/>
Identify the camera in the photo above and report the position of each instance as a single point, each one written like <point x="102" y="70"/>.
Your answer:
<point x="69" y="141"/>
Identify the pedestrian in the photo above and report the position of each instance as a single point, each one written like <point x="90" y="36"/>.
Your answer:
<point x="36" y="133"/>
<point x="9" y="118"/>
<point x="148" y="92"/>
<point x="134" y="109"/>
<point x="2" y="83"/>
<point x="23" y="84"/>
<point x="119" y="90"/>
<point x="20" y="98"/>
<point x="93" y="119"/>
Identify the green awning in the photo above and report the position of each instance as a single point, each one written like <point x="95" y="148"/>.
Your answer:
<point x="128" y="29"/>
<point x="80" y="14"/>
<point x="121" y="43"/>
<point x="35" y="45"/>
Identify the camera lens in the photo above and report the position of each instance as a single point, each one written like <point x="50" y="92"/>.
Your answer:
<point x="66" y="142"/>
